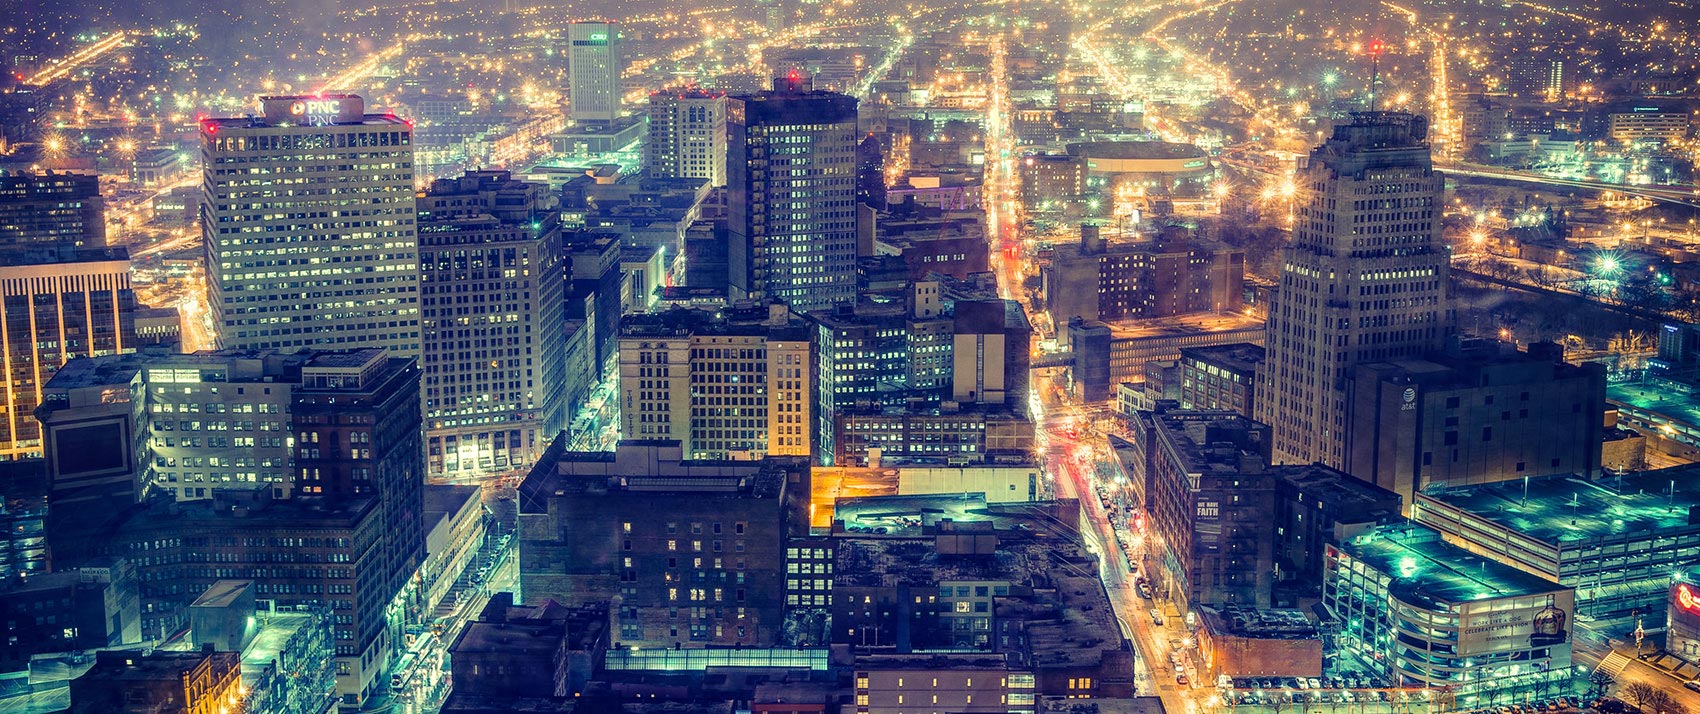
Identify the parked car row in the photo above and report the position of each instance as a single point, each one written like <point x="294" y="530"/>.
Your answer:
<point x="1550" y="705"/>
<point x="1303" y="683"/>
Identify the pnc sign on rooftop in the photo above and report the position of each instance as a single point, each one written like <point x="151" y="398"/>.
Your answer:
<point x="313" y="107"/>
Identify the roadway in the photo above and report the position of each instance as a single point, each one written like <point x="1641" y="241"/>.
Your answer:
<point x="77" y="60"/>
<point x="1066" y="457"/>
<point x="1616" y="656"/>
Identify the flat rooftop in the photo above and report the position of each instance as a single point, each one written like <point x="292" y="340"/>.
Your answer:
<point x="1181" y="325"/>
<point x="276" y="629"/>
<point x="222" y="593"/>
<point x="1238" y="356"/>
<point x="1429" y="571"/>
<point x="1252" y="623"/>
<point x="1656" y="399"/>
<point x="1135" y="150"/>
<point x="1564" y="509"/>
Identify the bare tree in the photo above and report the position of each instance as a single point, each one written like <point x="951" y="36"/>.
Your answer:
<point x="1639" y="694"/>
<point x="1663" y="703"/>
<point x="1599" y="682"/>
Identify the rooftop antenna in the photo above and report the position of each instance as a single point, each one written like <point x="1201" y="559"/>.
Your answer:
<point x="1375" y="48"/>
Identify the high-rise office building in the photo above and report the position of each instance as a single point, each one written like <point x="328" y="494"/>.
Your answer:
<point x="593" y="63"/>
<point x="732" y="385"/>
<point x="791" y="179"/>
<point x="52" y="209"/>
<point x="56" y="305"/>
<point x="492" y="280"/>
<point x="687" y="135"/>
<point x="356" y="515"/>
<point x="308" y="221"/>
<point x="1364" y="280"/>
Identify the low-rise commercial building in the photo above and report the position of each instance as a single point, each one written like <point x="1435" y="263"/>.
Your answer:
<point x="288" y="656"/>
<point x="1019" y="612"/>
<point x="1108" y="354"/>
<point x="939" y="436"/>
<point x="75" y="609"/>
<point x="1174" y="274"/>
<point x="511" y="655"/>
<point x="1000" y="484"/>
<point x="1235" y="641"/>
<point x="206" y="682"/>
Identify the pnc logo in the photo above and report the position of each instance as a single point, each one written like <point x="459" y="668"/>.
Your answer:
<point x="315" y="107"/>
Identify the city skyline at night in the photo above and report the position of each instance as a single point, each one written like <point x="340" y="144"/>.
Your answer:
<point x="883" y="357"/>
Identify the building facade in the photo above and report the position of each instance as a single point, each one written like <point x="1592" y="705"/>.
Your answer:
<point x="129" y="681"/>
<point x="1473" y="415"/>
<point x="56" y="306"/>
<point x="935" y="436"/>
<point x="1209" y="498"/>
<point x="691" y="553"/>
<point x="1220" y="377"/>
<point x="594" y="65"/>
<point x="730" y="386"/>
<point x="791" y="178"/>
<point x="1365" y="279"/>
<point x="687" y="135"/>
<point x="1424" y="613"/>
<point x="492" y="281"/>
<point x="49" y="210"/>
<point x="1167" y="277"/>
<point x="329" y="262"/>
<point x="83" y="608"/>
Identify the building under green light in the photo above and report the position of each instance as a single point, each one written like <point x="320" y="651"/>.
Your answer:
<point x="1419" y="611"/>
<point x="1617" y="541"/>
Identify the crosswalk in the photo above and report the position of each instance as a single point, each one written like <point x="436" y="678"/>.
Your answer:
<point x="1615" y="663"/>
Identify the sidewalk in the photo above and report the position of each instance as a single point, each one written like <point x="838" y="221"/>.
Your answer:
<point x="1673" y="665"/>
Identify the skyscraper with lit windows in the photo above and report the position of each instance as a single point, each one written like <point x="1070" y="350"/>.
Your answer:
<point x="687" y="135"/>
<point x="308" y="221"/>
<point x="593" y="62"/>
<point x="791" y="178"/>
<point x="493" y="304"/>
<point x="1364" y="280"/>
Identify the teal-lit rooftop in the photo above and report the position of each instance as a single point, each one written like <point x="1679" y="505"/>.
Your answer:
<point x="1562" y="509"/>
<point x="1641" y="400"/>
<point x="629" y="158"/>
<point x="1430" y="572"/>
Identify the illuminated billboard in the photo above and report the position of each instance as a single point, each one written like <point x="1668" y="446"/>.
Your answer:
<point x="1682" y="626"/>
